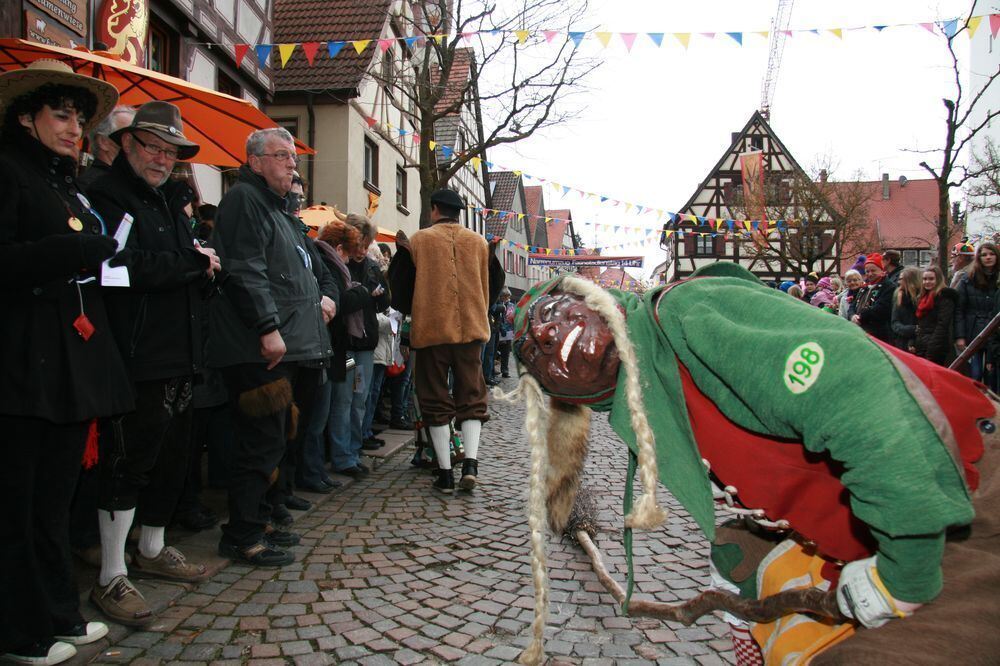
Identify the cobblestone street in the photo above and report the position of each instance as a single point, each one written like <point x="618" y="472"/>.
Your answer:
<point x="389" y="572"/>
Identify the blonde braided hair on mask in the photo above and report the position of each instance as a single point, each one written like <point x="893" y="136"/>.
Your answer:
<point x="646" y="513"/>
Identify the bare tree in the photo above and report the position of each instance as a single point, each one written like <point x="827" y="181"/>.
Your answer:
<point x="488" y="60"/>
<point x="983" y="193"/>
<point x="826" y="221"/>
<point x="960" y="130"/>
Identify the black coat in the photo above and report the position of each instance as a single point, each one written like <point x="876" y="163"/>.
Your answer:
<point x="270" y="284"/>
<point x="49" y="370"/>
<point x="974" y="309"/>
<point x="157" y="320"/>
<point x="935" y="340"/>
<point x="370" y="276"/>
<point x="874" y="306"/>
<point x="904" y="322"/>
<point x="352" y="299"/>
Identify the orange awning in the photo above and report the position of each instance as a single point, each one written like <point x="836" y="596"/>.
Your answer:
<point x="217" y="122"/>
<point x="318" y="216"/>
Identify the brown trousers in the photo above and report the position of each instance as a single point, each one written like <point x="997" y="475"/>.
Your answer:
<point x="467" y="398"/>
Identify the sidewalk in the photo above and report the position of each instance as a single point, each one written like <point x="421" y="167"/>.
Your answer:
<point x="201" y="547"/>
<point x="391" y="572"/>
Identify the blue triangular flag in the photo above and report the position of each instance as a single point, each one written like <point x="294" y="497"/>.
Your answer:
<point x="446" y="151"/>
<point x="738" y="36"/>
<point x="657" y="37"/>
<point x="950" y="28"/>
<point x="700" y="219"/>
<point x="880" y="28"/>
<point x="410" y="41"/>
<point x="333" y="48"/>
<point x="814" y="31"/>
<point x="565" y="189"/>
<point x="263" y="52"/>
<point x="603" y="199"/>
<point x="577" y="37"/>
<point x="729" y="223"/>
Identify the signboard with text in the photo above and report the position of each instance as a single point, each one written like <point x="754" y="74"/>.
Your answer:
<point x="562" y="261"/>
<point x="71" y="14"/>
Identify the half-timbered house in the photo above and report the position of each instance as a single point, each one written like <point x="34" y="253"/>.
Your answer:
<point x="759" y="181"/>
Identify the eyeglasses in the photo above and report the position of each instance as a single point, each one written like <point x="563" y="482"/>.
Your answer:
<point x="156" y="151"/>
<point x="282" y="156"/>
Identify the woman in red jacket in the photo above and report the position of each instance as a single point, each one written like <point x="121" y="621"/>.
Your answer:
<point x="935" y="339"/>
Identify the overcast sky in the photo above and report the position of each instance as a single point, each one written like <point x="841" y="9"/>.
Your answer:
<point x="659" y="118"/>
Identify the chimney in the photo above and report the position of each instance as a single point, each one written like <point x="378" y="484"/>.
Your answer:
<point x="885" y="186"/>
<point x="902" y="181"/>
<point x="823" y="175"/>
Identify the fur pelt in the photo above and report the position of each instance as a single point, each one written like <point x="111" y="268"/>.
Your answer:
<point x="569" y="427"/>
<point x="267" y="399"/>
<point x="293" y="421"/>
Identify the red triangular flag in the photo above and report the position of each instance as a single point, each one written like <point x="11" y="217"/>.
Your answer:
<point x="371" y="122"/>
<point x="241" y="52"/>
<point x="994" y="24"/>
<point x="310" y="48"/>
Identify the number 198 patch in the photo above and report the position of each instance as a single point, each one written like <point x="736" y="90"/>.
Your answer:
<point x="803" y="367"/>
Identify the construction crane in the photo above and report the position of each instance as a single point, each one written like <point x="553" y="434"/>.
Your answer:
<point x="779" y="27"/>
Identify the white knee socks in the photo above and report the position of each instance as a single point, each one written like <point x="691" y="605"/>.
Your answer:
<point x="471" y="430"/>
<point x="441" y="439"/>
<point x="113" y="536"/>
<point x="151" y="541"/>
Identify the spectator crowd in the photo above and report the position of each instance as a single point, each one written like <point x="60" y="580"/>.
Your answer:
<point x="146" y="328"/>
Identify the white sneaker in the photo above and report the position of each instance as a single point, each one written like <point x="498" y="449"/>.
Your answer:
<point x="84" y="633"/>
<point x="56" y="653"/>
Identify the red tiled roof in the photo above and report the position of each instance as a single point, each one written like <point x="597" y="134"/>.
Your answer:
<point x="557" y="229"/>
<point x="533" y="205"/>
<point x="458" y="79"/>
<point x="310" y="20"/>
<point x="906" y="218"/>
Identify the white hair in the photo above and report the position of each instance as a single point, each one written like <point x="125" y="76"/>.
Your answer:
<point x="108" y="126"/>
<point x="258" y="139"/>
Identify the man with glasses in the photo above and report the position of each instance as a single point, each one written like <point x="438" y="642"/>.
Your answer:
<point x="155" y="320"/>
<point x="268" y="335"/>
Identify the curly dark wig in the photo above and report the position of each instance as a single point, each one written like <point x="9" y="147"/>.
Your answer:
<point x="53" y="95"/>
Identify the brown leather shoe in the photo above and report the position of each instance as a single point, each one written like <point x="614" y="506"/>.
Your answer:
<point x="170" y="564"/>
<point x="122" y="602"/>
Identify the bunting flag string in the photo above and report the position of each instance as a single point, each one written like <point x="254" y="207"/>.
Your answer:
<point x="606" y="39"/>
<point x="673" y="219"/>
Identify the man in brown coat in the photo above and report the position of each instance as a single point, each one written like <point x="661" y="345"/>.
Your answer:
<point x="445" y="278"/>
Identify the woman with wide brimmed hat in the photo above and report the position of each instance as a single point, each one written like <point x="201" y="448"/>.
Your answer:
<point x="61" y="368"/>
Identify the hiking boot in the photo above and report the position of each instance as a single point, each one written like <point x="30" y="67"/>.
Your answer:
<point x="83" y="633"/>
<point x="42" y="652"/>
<point x="470" y="470"/>
<point x="170" y="564"/>
<point x="444" y="481"/>
<point x="122" y="602"/>
<point x="259" y="554"/>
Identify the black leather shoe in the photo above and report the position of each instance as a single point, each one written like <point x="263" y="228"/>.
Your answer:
<point x="444" y="481"/>
<point x="281" y="538"/>
<point x="259" y="555"/>
<point x="354" y="472"/>
<point x="470" y="470"/>
<point x="322" y="487"/>
<point x="197" y="520"/>
<point x="372" y="444"/>
<point x="280" y="516"/>
<point x="297" y="503"/>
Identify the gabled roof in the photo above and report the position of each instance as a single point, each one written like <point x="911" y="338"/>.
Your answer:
<point x="756" y="120"/>
<point x="907" y="218"/>
<point x="504" y="185"/>
<point x="557" y="227"/>
<point x="458" y="79"/>
<point x="305" y="20"/>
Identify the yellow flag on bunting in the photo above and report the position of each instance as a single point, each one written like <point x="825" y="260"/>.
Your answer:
<point x="360" y="45"/>
<point x="683" y="37"/>
<point x="838" y="32"/>
<point x="432" y="144"/>
<point x="522" y="36"/>
<point x="476" y="161"/>
<point x="974" y="25"/>
<point x="285" y="51"/>
<point x="603" y="37"/>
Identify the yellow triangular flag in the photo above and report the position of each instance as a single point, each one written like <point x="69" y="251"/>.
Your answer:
<point x="438" y="38"/>
<point x="718" y="223"/>
<point x="285" y="50"/>
<point x="520" y="216"/>
<point x="746" y="223"/>
<point x="628" y="207"/>
<point x="603" y="37"/>
<point x="683" y="38"/>
<point x="361" y="44"/>
<point x="556" y="186"/>
<point x="522" y="36"/>
<point x="518" y="173"/>
<point x="432" y="144"/>
<point x="974" y="25"/>
<point x="763" y="33"/>
<point x="839" y="32"/>
<point x="476" y="161"/>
